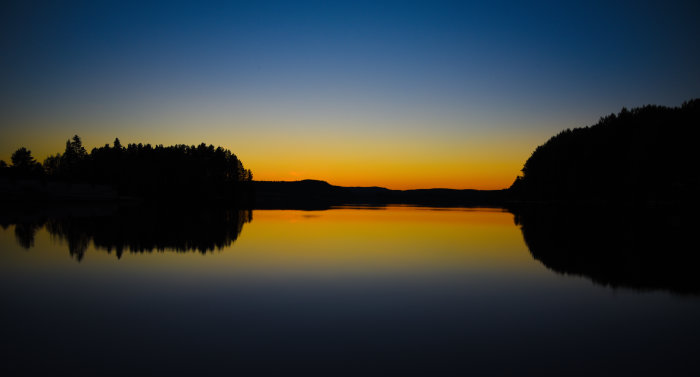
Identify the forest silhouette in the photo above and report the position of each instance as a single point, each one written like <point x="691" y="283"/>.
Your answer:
<point x="138" y="170"/>
<point x="646" y="154"/>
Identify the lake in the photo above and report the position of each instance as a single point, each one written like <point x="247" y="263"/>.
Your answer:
<point x="359" y="291"/>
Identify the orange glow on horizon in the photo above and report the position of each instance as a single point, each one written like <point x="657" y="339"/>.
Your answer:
<point x="479" y="182"/>
<point x="400" y="162"/>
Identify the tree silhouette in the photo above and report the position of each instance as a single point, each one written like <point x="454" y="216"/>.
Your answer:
<point x="23" y="163"/>
<point x="75" y="149"/>
<point x="72" y="164"/>
<point x="22" y="158"/>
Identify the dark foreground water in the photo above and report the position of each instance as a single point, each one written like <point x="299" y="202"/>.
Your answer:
<point x="397" y="290"/>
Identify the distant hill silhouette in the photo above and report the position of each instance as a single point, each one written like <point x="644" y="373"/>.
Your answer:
<point x="639" y="155"/>
<point x="314" y="194"/>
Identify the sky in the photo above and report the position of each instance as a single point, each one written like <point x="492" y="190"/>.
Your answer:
<point x="405" y="94"/>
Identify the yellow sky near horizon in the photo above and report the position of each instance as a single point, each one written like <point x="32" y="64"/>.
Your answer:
<point x="407" y="161"/>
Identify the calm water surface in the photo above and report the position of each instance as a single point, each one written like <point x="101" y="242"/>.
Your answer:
<point x="342" y="291"/>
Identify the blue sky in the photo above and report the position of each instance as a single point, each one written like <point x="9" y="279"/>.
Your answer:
<point x="265" y="77"/>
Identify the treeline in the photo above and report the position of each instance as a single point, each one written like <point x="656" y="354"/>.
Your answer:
<point x="137" y="169"/>
<point x="639" y="155"/>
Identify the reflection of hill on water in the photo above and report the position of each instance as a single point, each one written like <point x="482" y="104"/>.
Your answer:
<point x="634" y="248"/>
<point x="136" y="229"/>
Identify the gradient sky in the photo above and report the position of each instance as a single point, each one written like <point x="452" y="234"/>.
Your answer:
<point x="396" y="94"/>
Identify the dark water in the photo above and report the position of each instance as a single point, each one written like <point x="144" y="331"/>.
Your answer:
<point x="397" y="290"/>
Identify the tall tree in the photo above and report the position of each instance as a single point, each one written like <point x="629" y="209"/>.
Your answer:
<point x="73" y="158"/>
<point x="75" y="149"/>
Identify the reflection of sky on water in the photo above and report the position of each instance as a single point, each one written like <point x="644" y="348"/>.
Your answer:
<point x="395" y="289"/>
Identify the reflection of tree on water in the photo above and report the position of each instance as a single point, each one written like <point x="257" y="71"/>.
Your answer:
<point x="632" y="248"/>
<point x="24" y="232"/>
<point x="141" y="229"/>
